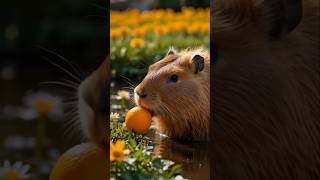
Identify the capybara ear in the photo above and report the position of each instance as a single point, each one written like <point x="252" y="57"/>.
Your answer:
<point x="171" y="51"/>
<point x="197" y="64"/>
<point x="286" y="16"/>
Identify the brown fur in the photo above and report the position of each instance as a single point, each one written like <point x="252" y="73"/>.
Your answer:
<point x="265" y="94"/>
<point x="182" y="108"/>
<point x="93" y="105"/>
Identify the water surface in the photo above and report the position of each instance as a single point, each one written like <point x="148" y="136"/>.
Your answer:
<point x="193" y="156"/>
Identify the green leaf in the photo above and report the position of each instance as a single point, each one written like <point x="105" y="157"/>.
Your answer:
<point x="157" y="163"/>
<point x="175" y="170"/>
<point x="143" y="176"/>
<point x="126" y="176"/>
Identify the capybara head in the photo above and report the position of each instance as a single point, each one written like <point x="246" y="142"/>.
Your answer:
<point x="176" y="90"/>
<point x="92" y="105"/>
<point x="265" y="89"/>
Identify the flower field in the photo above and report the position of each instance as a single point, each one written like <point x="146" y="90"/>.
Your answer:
<point x="139" y="38"/>
<point x="131" y="154"/>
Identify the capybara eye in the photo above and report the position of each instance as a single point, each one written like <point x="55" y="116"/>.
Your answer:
<point x="174" y="78"/>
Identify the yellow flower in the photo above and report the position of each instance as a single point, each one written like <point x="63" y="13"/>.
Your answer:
<point x="160" y="30"/>
<point x="124" y="31"/>
<point x="161" y="21"/>
<point x="205" y="28"/>
<point x="171" y="28"/>
<point x="180" y="26"/>
<point x="194" y="28"/>
<point x="114" y="116"/>
<point x="138" y="32"/>
<point x="117" y="151"/>
<point x="114" y="33"/>
<point x="137" y="42"/>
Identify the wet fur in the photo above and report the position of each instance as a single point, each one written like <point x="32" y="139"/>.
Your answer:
<point x="182" y="108"/>
<point x="265" y="120"/>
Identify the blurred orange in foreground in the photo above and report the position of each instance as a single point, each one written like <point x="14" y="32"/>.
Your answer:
<point x="81" y="162"/>
<point x="138" y="119"/>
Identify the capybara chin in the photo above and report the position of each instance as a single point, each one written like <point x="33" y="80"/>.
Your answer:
<point x="176" y="90"/>
<point x="265" y="89"/>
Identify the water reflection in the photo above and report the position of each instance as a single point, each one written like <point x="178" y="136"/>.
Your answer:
<point x="193" y="156"/>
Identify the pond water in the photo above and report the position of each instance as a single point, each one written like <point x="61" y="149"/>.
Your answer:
<point x="193" y="156"/>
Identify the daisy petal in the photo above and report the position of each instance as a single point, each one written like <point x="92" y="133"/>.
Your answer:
<point x="25" y="168"/>
<point x="17" y="165"/>
<point x="111" y="157"/>
<point x="120" y="144"/>
<point x="112" y="146"/>
<point x="25" y="176"/>
<point x="126" y="151"/>
<point x="6" y="164"/>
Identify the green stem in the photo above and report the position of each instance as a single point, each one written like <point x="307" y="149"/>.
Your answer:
<point x="40" y="135"/>
<point x="123" y="105"/>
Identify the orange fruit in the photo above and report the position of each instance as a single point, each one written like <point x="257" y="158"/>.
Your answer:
<point x="81" y="162"/>
<point x="138" y="119"/>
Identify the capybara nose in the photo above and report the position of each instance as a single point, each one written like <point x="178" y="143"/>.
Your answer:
<point x="142" y="94"/>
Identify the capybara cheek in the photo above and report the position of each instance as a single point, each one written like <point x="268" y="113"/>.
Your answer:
<point x="136" y="99"/>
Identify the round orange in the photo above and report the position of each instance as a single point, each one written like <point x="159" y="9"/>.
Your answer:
<point x="138" y="119"/>
<point x="81" y="162"/>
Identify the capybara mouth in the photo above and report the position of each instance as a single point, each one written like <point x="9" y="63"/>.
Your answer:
<point x="146" y="106"/>
<point x="153" y="113"/>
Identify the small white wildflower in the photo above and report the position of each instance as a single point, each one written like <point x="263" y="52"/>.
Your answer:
<point x="19" y="143"/>
<point x="130" y="160"/>
<point x="16" y="171"/>
<point x="114" y="116"/>
<point x="179" y="177"/>
<point x="124" y="94"/>
<point x="167" y="165"/>
<point x="115" y="107"/>
<point x="45" y="104"/>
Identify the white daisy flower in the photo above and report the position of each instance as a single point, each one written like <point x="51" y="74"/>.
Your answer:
<point x="114" y="116"/>
<point x="115" y="106"/>
<point x="112" y="84"/>
<point x="45" y="104"/>
<point x="19" y="143"/>
<point x="179" y="177"/>
<point x="16" y="171"/>
<point x="124" y="94"/>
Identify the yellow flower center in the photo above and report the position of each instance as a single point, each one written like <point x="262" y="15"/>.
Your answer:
<point x="123" y="95"/>
<point x="114" y="117"/>
<point x="124" y="31"/>
<point x="11" y="175"/>
<point x="117" y="151"/>
<point x="43" y="106"/>
<point x="117" y="154"/>
<point x="136" y="43"/>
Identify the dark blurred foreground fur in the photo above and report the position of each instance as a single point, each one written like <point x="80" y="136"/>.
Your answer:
<point x="265" y="91"/>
